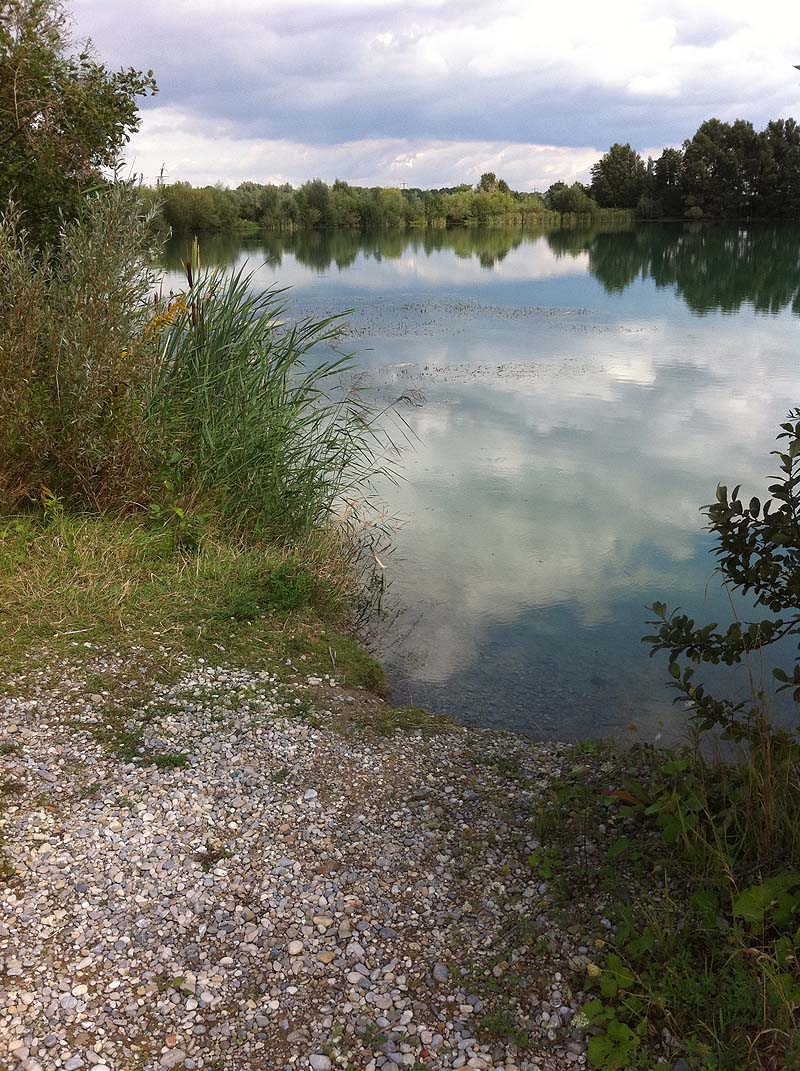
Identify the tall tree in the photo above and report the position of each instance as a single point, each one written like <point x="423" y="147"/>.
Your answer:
<point x="727" y="168"/>
<point x="668" y="182"/>
<point x="781" y="194"/>
<point x="618" y="178"/>
<point x="63" y="115"/>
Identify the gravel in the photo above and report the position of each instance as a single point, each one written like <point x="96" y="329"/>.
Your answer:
<point x="268" y="888"/>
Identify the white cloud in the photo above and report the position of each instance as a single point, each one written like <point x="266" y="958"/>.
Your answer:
<point x="205" y="153"/>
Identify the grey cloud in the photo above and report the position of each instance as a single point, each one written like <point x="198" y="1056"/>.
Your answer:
<point x="323" y="73"/>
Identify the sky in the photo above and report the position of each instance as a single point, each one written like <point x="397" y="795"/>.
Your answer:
<point x="434" y="92"/>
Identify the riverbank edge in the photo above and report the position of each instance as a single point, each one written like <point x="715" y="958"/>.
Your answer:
<point x="111" y="617"/>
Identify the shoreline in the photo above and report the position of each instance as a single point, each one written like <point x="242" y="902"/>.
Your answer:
<point x="289" y="871"/>
<point x="221" y="848"/>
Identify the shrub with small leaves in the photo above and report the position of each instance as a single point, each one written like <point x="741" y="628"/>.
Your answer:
<point x="758" y="553"/>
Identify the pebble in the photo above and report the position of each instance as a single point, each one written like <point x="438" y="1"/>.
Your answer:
<point x="206" y="907"/>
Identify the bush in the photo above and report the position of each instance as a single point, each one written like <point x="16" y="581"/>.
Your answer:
<point x="758" y="550"/>
<point x="75" y="358"/>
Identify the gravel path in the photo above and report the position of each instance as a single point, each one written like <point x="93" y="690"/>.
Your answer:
<point x="235" y="873"/>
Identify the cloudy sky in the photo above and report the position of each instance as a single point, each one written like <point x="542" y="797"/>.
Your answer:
<point x="433" y="92"/>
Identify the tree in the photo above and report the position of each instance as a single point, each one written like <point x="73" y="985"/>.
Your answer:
<point x="570" y="199"/>
<point x="618" y="178"/>
<point x="781" y="193"/>
<point x="488" y="182"/>
<point x="668" y="181"/>
<point x="726" y="167"/>
<point x="63" y="116"/>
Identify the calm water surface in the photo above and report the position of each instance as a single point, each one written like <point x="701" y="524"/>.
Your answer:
<point x="584" y="392"/>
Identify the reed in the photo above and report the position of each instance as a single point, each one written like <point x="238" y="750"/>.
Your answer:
<point x="264" y="418"/>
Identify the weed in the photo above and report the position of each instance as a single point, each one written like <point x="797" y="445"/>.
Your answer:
<point x="171" y="760"/>
<point x="209" y="855"/>
<point x="500" y="1026"/>
<point x="373" y="1037"/>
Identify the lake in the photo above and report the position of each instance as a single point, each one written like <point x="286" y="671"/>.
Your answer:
<point x="581" y="394"/>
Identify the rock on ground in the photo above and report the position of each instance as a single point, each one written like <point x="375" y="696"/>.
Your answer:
<point x="249" y="886"/>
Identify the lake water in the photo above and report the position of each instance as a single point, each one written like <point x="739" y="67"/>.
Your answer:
<point x="584" y="392"/>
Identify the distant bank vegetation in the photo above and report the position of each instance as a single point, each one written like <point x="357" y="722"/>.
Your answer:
<point x="253" y="208"/>
<point x="725" y="171"/>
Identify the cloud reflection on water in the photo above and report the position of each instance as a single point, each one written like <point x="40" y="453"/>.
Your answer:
<point x="585" y="391"/>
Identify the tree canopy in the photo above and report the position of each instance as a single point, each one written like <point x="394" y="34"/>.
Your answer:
<point x="64" y="116"/>
<point x="618" y="178"/>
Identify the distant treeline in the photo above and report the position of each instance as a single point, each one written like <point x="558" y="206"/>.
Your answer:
<point x="709" y="267"/>
<point x="252" y="208"/>
<point x="725" y="171"/>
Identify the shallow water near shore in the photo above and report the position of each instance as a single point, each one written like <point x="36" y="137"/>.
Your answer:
<point x="580" y="394"/>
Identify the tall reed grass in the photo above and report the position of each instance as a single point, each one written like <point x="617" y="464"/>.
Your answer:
<point x="268" y="420"/>
<point x="113" y="397"/>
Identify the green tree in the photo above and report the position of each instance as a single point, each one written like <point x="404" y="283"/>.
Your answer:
<point x="569" y="199"/>
<point x="618" y="178"/>
<point x="668" y="181"/>
<point x="727" y="167"/>
<point x="63" y="115"/>
<point x="781" y="192"/>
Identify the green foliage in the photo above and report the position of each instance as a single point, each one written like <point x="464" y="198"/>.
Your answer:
<point x="724" y="171"/>
<point x="63" y="115"/>
<point x="546" y="862"/>
<point x="571" y="200"/>
<point x="185" y="527"/>
<point x="705" y="900"/>
<point x="615" y="1046"/>
<point x="273" y="438"/>
<point x="288" y="588"/>
<point x="75" y="358"/>
<point x="317" y="206"/>
<point x="618" y="178"/>
<point x="500" y="1026"/>
<point x="285" y="588"/>
<point x="758" y="553"/>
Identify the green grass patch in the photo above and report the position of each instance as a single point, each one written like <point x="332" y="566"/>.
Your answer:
<point x="71" y="581"/>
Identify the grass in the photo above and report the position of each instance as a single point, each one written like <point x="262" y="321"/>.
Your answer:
<point x="120" y="583"/>
<point x="263" y="426"/>
<point x="212" y="402"/>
